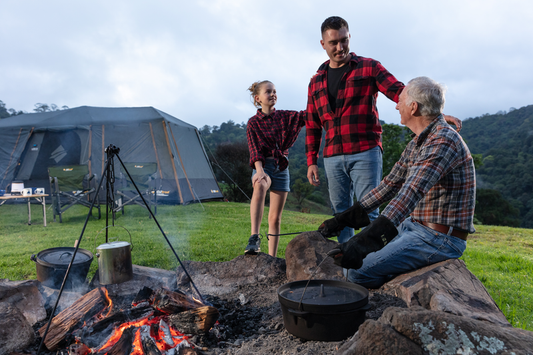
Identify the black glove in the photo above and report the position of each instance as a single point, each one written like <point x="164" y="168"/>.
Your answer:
<point x="350" y="255"/>
<point x="354" y="217"/>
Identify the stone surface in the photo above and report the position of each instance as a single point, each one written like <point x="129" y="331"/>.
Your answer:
<point x="377" y="338"/>
<point x="446" y="286"/>
<point x="217" y="278"/>
<point x="16" y="332"/>
<point x="306" y="258"/>
<point x="142" y="276"/>
<point x="443" y="333"/>
<point x="25" y="296"/>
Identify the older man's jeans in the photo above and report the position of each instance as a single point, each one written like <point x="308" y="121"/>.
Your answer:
<point x="414" y="247"/>
<point x="346" y="174"/>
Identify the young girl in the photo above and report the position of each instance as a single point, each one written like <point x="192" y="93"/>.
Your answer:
<point x="270" y="134"/>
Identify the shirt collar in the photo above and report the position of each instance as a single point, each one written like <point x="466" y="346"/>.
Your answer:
<point x="260" y="114"/>
<point x="425" y="133"/>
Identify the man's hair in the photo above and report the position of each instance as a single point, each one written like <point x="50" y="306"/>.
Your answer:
<point x="428" y="94"/>
<point x="334" y="23"/>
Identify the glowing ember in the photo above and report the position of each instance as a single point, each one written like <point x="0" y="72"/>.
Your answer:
<point x="165" y="339"/>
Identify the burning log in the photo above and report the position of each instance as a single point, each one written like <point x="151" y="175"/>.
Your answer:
<point x="173" y="302"/>
<point x="83" y="309"/>
<point x="148" y="343"/>
<point x="123" y="346"/>
<point x="100" y="330"/>
<point x="195" y="321"/>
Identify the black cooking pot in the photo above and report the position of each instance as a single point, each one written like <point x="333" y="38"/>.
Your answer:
<point x="329" y="310"/>
<point x="52" y="266"/>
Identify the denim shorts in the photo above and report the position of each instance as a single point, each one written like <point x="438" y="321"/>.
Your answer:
<point x="280" y="179"/>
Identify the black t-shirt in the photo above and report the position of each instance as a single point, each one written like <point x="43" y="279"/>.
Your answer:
<point x="334" y="81"/>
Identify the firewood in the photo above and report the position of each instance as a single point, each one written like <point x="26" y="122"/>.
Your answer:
<point x="79" y="349"/>
<point x="194" y="321"/>
<point x="101" y="330"/>
<point x="123" y="346"/>
<point x="72" y="317"/>
<point x="148" y="343"/>
<point x="173" y="302"/>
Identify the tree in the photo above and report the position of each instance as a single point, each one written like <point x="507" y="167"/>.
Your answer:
<point x="493" y="209"/>
<point x="394" y="139"/>
<point x="39" y="107"/>
<point x="231" y="167"/>
<point x="301" y="190"/>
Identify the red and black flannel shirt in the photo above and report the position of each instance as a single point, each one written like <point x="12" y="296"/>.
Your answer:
<point x="272" y="135"/>
<point x="354" y="126"/>
<point x="434" y="181"/>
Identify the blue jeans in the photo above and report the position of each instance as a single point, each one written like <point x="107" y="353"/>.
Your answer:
<point x="354" y="173"/>
<point x="414" y="247"/>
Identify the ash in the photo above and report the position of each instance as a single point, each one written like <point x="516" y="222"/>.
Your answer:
<point x="251" y="322"/>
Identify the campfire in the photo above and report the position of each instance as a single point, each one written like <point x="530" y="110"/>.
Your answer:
<point x="157" y="322"/>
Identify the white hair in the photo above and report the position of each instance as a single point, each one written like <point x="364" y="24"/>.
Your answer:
<point x="428" y="94"/>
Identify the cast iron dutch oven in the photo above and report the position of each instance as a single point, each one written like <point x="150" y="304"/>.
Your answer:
<point x="52" y="266"/>
<point x="329" y="310"/>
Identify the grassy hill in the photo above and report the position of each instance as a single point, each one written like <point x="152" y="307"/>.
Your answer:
<point x="505" y="141"/>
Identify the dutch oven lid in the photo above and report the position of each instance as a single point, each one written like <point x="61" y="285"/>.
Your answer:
<point x="62" y="256"/>
<point x="332" y="294"/>
<point x="113" y="245"/>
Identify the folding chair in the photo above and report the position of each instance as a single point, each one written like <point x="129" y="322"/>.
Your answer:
<point x="71" y="185"/>
<point x="144" y="175"/>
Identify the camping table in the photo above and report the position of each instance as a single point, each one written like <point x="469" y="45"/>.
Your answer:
<point x="39" y="197"/>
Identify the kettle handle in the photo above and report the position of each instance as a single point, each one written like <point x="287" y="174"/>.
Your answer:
<point x="100" y="231"/>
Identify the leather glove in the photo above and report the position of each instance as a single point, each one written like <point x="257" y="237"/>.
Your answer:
<point x="354" y="217"/>
<point x="350" y="255"/>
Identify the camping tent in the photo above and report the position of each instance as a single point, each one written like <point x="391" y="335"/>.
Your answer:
<point x="30" y="143"/>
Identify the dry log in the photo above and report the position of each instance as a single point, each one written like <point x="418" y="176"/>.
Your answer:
<point x="72" y="317"/>
<point x="173" y="302"/>
<point x="194" y="321"/>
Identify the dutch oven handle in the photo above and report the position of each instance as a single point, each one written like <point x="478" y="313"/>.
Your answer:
<point x="131" y="242"/>
<point x="33" y="258"/>
<point x="301" y="314"/>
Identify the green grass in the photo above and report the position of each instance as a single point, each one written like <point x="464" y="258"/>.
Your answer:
<point x="500" y="257"/>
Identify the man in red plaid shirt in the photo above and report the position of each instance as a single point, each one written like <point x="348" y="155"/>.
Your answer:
<point x="342" y="101"/>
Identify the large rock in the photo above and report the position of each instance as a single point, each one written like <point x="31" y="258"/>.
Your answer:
<point x="15" y="331"/>
<point x="375" y="337"/>
<point x="446" y="286"/>
<point x="420" y="331"/>
<point x="25" y="296"/>
<point x="217" y="278"/>
<point x="306" y="258"/>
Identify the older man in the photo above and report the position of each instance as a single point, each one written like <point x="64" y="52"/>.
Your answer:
<point x="432" y="188"/>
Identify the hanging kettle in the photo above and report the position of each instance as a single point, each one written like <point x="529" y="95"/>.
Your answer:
<point x="114" y="261"/>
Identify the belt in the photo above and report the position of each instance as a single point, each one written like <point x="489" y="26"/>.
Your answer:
<point x="443" y="229"/>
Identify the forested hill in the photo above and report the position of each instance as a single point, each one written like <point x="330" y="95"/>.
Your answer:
<point x="505" y="141"/>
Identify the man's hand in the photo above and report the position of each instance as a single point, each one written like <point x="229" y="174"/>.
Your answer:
<point x="354" y="217"/>
<point x="350" y="255"/>
<point x="455" y="121"/>
<point x="312" y="175"/>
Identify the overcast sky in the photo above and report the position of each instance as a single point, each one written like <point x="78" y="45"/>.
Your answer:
<point x="195" y="59"/>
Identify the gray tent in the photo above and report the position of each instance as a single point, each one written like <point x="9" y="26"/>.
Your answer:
<point x="30" y="143"/>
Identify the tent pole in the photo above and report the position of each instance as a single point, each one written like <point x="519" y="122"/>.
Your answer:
<point x="172" y="160"/>
<point x="181" y="161"/>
